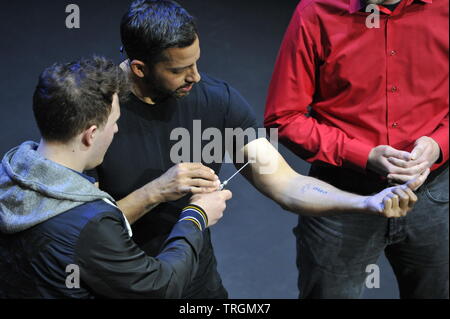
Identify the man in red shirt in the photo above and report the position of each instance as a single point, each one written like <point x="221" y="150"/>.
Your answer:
<point x="363" y="96"/>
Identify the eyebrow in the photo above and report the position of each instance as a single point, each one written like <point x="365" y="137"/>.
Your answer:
<point x="181" y="68"/>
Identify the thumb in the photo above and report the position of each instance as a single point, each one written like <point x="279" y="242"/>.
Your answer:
<point x="417" y="152"/>
<point x="418" y="181"/>
<point x="226" y="194"/>
<point x="392" y="152"/>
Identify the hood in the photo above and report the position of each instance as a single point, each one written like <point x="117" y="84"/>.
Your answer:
<point x="34" y="189"/>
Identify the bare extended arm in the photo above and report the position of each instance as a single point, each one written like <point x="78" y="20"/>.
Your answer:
<point x="273" y="176"/>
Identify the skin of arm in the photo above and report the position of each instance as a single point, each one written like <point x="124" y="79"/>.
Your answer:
<point x="138" y="203"/>
<point x="180" y="180"/>
<point x="304" y="195"/>
<point x="273" y="177"/>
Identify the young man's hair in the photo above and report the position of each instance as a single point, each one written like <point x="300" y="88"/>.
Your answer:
<point x="71" y="97"/>
<point x="152" y="26"/>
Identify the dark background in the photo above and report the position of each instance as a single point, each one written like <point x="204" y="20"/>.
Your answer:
<point x="254" y="243"/>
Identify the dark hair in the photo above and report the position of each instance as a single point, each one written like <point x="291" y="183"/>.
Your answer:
<point x="152" y="26"/>
<point x="71" y="97"/>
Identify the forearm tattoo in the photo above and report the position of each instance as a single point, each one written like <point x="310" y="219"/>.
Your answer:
<point x="317" y="189"/>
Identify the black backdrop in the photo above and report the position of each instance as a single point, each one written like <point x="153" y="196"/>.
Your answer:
<point x="254" y="243"/>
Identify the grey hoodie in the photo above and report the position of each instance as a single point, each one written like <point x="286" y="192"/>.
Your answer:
<point x="34" y="189"/>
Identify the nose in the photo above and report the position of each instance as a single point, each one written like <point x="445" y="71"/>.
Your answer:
<point x="194" y="75"/>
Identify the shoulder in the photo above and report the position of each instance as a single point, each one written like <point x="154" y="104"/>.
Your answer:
<point x="212" y="87"/>
<point x="67" y="226"/>
<point x="218" y="91"/>
<point x="311" y="10"/>
<point x="211" y="82"/>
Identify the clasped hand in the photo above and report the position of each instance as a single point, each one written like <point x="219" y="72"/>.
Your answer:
<point x="399" y="166"/>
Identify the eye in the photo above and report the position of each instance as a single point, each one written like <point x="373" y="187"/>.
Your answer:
<point x="177" y="71"/>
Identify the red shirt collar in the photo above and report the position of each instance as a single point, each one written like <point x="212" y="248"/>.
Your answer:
<point x="356" y="5"/>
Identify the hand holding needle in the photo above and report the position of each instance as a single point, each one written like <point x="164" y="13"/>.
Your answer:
<point x="221" y="187"/>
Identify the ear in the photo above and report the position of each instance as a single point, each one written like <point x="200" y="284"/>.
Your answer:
<point x="88" y="136"/>
<point x="138" y="68"/>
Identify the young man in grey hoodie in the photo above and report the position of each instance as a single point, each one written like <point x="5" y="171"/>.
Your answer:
<point x="60" y="236"/>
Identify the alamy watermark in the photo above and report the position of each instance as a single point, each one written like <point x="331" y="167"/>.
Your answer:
<point x="73" y="279"/>
<point x="73" y="19"/>
<point x="189" y="146"/>
<point x="373" y="277"/>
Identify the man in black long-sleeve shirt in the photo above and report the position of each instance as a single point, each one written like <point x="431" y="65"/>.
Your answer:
<point x="170" y="97"/>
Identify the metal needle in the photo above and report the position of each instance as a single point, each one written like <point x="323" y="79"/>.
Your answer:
<point x="226" y="182"/>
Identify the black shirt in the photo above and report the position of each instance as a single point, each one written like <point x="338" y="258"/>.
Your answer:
<point x="140" y="152"/>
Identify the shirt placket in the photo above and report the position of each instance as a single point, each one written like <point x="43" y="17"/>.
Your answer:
<point x="393" y="91"/>
<point x="393" y="95"/>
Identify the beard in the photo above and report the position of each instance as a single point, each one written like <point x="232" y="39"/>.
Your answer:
<point x="159" y="93"/>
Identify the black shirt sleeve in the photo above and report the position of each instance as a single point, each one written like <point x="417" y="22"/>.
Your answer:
<point x="241" y="119"/>
<point x="239" y="113"/>
<point x="113" y="266"/>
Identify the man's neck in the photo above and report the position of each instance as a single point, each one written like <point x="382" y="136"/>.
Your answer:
<point x="63" y="154"/>
<point x="137" y="88"/>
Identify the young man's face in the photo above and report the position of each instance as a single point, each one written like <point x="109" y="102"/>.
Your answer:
<point x="177" y="74"/>
<point x="106" y="133"/>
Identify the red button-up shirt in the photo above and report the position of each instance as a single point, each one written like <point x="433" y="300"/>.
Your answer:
<point x="366" y="86"/>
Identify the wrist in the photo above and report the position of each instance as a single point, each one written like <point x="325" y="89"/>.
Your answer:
<point x="196" y="215"/>
<point x="153" y="194"/>
<point x="362" y="205"/>
<point x="437" y="151"/>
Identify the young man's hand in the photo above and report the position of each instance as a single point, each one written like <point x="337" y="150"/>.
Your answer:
<point x="213" y="204"/>
<point x="396" y="201"/>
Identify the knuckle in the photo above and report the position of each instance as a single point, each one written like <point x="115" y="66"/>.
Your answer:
<point x="180" y="166"/>
<point x="177" y="174"/>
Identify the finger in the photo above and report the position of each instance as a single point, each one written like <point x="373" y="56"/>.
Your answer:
<point x="412" y="197"/>
<point x="418" y="181"/>
<point x="198" y="166"/>
<point x="395" y="205"/>
<point x="226" y="194"/>
<point x="203" y="172"/>
<point x="395" y="202"/>
<point x="392" y="200"/>
<point x="202" y="190"/>
<point x="403" y="198"/>
<point x="183" y="189"/>
<point x="396" y="179"/>
<point x="387" y="203"/>
<point x="401" y="163"/>
<point x="198" y="182"/>
<point x="412" y="171"/>
<point x="190" y="166"/>
<point x="417" y="151"/>
<point x="392" y="152"/>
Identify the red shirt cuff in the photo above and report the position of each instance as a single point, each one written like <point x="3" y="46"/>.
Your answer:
<point x="441" y="137"/>
<point x="356" y="154"/>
